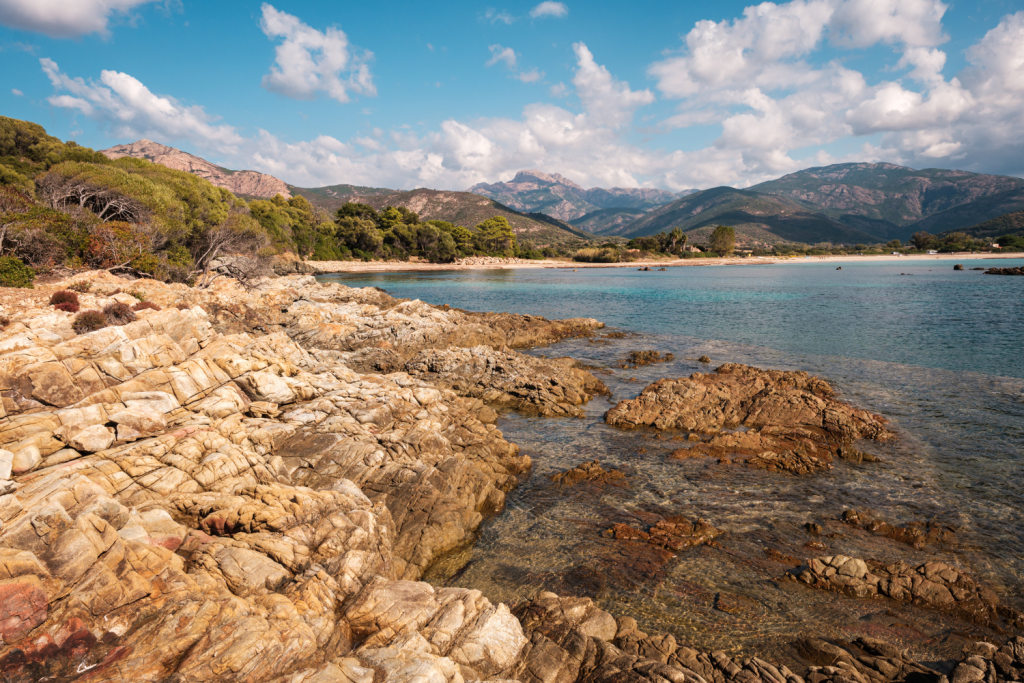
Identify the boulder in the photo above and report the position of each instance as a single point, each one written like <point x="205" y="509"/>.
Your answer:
<point x="141" y="419"/>
<point x="26" y="459"/>
<point x="6" y="464"/>
<point x="92" y="439"/>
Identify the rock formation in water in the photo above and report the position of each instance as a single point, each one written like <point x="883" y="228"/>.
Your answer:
<point x="589" y="472"/>
<point x="637" y="359"/>
<point x="1005" y="271"/>
<point x="783" y="421"/>
<point x="916" y="534"/>
<point x="934" y="585"/>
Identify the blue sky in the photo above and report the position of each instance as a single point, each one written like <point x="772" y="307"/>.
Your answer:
<point x="670" y="95"/>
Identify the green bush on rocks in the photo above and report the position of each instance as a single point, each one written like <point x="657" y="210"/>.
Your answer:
<point x="14" y="273"/>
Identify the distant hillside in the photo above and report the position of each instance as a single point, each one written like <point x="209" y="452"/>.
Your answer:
<point x="759" y="219"/>
<point x="331" y="197"/>
<point x="555" y="195"/>
<point x="968" y="216"/>
<point x="1008" y="224"/>
<point x="606" y="221"/>
<point x="465" y="208"/>
<point x="244" y="183"/>
<point x="884" y="199"/>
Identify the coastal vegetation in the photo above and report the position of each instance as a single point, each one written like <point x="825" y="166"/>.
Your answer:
<point x="66" y="206"/>
<point x="723" y="240"/>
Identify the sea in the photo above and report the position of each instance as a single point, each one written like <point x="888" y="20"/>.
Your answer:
<point x="939" y="352"/>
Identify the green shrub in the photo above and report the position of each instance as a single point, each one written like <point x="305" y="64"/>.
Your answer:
<point x="118" y="314"/>
<point x="138" y="294"/>
<point x="64" y="297"/>
<point x="14" y="273"/>
<point x="80" y="287"/>
<point x="89" y="321"/>
<point x="597" y="256"/>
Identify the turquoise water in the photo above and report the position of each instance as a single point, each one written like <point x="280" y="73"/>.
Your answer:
<point x="936" y="351"/>
<point x="931" y="317"/>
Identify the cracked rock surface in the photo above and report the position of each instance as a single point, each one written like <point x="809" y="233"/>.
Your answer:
<point x="248" y="485"/>
<point x="784" y="421"/>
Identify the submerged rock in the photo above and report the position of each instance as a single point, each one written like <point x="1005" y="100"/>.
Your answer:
<point x="571" y="639"/>
<point x="916" y="534"/>
<point x="638" y="359"/>
<point x="935" y="585"/>
<point x="589" y="472"/>
<point x="672" y="533"/>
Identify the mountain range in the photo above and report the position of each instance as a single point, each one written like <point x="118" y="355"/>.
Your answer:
<point x="842" y="203"/>
<point x="557" y="196"/>
<point x="463" y="208"/>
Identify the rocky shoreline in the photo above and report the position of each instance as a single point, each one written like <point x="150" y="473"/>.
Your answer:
<point x="248" y="486"/>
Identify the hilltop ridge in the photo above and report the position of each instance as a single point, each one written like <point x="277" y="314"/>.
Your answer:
<point x="557" y="196"/>
<point x="245" y="183"/>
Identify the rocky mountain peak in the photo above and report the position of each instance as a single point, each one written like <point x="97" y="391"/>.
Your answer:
<point x="532" y="176"/>
<point x="247" y="183"/>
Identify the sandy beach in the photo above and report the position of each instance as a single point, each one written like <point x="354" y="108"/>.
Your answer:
<point x="503" y="264"/>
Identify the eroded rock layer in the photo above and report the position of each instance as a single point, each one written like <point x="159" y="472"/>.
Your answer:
<point x="210" y="493"/>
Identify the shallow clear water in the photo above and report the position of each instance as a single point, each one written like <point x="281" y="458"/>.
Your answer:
<point x="937" y="351"/>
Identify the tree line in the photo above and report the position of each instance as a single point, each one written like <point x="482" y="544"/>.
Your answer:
<point x="66" y="205"/>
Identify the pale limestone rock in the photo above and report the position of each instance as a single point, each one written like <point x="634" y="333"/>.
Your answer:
<point x="155" y="401"/>
<point x="140" y="419"/>
<point x="409" y="658"/>
<point x="268" y="387"/>
<point x="6" y="464"/>
<point x="25" y="459"/>
<point x="92" y="439"/>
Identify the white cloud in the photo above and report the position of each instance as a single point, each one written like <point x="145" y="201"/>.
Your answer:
<point x="777" y="101"/>
<point x="746" y="50"/>
<point x="510" y="59"/>
<point x="17" y="93"/>
<point x="755" y="76"/>
<point x="587" y="146"/>
<point x="128" y="109"/>
<point x="494" y="17"/>
<point x="608" y="99"/>
<point x="311" y="61"/>
<point x="549" y="9"/>
<point x="65" y="18"/>
<point x="862" y="23"/>
<point x="531" y="76"/>
<point x="502" y="54"/>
